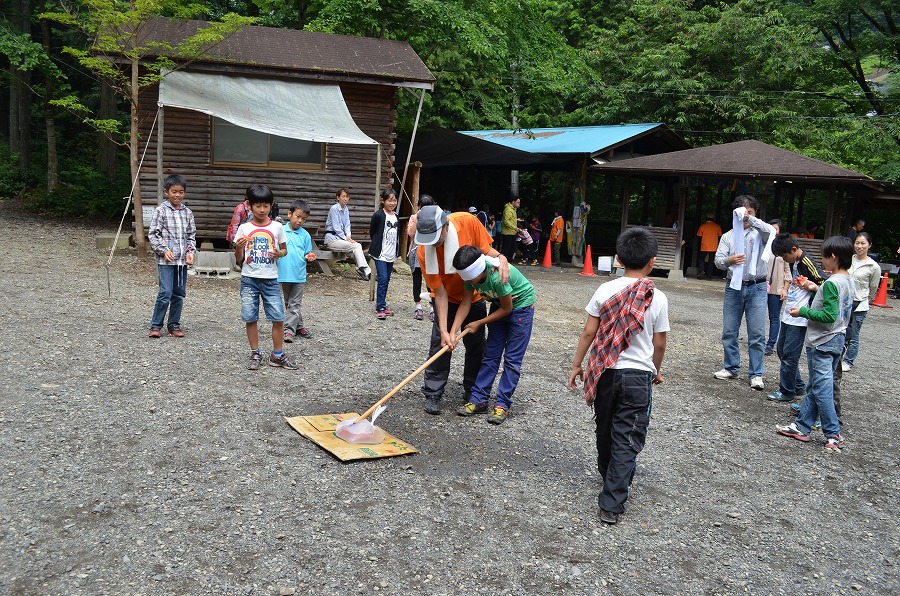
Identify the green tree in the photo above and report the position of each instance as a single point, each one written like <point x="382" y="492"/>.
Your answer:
<point x="124" y="52"/>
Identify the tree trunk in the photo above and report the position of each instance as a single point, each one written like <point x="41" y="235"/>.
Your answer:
<point x="109" y="150"/>
<point x="20" y="93"/>
<point x="139" y="240"/>
<point x="50" y="124"/>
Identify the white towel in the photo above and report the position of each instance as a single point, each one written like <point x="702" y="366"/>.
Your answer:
<point x="737" y="247"/>
<point x="451" y="245"/>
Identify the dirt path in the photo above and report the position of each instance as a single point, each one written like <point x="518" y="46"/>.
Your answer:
<point x="144" y="466"/>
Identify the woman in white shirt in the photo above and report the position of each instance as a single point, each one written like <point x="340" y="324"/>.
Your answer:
<point x="865" y="274"/>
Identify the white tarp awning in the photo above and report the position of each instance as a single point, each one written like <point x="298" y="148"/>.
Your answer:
<point x="292" y="109"/>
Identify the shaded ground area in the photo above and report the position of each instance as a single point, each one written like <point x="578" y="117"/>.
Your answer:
<point x="165" y="467"/>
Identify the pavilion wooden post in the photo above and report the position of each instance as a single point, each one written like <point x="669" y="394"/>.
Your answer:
<point x="626" y="196"/>
<point x="676" y="272"/>
<point x="829" y="215"/>
<point x="409" y="207"/>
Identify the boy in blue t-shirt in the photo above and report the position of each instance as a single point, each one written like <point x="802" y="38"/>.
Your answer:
<point x="509" y="328"/>
<point x="292" y="270"/>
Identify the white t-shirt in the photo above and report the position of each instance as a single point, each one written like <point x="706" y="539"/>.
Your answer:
<point x="261" y="240"/>
<point x="639" y="354"/>
<point x="389" y="239"/>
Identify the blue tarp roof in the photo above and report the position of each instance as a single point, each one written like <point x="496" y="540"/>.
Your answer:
<point x="576" y="139"/>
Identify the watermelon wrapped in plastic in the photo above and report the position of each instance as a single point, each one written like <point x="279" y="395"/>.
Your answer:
<point x="360" y="433"/>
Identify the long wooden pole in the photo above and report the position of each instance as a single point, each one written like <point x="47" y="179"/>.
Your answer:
<point x="405" y="381"/>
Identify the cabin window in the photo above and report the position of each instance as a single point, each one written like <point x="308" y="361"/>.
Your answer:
<point x="236" y="145"/>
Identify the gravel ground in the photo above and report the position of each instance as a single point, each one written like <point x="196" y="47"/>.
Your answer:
<point x="142" y="466"/>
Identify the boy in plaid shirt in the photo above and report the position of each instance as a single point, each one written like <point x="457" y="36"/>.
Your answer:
<point x="626" y="333"/>
<point x="173" y="238"/>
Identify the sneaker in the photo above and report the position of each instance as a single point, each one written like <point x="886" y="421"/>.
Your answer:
<point x="724" y="374"/>
<point x="388" y="312"/>
<point x="834" y="443"/>
<point x="433" y="405"/>
<point x="845" y="366"/>
<point x="381" y="315"/>
<point x="498" y="415"/>
<point x="174" y="329"/>
<point x="791" y="431"/>
<point x="470" y="409"/>
<point x="779" y="396"/>
<point x="419" y="314"/>
<point x="288" y="337"/>
<point x="608" y="518"/>
<point x="757" y="383"/>
<point x="255" y="359"/>
<point x="817" y="425"/>
<point x="534" y="262"/>
<point x="283" y="361"/>
<point x="795" y="406"/>
<point x="154" y="332"/>
<point x="363" y="275"/>
<point x="431" y="316"/>
<point x="769" y="351"/>
<point x="304" y="333"/>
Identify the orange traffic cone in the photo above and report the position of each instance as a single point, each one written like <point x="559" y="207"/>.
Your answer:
<point x="881" y="297"/>
<point x="548" y="259"/>
<point x="588" y="269"/>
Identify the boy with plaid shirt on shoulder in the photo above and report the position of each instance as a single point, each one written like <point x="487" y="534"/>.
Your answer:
<point x="626" y="333"/>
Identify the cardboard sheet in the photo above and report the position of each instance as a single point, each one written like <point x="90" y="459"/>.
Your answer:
<point x="320" y="430"/>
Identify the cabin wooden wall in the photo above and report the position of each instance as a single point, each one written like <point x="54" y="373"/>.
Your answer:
<point x="214" y="191"/>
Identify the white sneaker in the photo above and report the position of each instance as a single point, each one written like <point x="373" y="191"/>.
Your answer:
<point x="757" y="383"/>
<point x="844" y="366"/>
<point x="724" y="374"/>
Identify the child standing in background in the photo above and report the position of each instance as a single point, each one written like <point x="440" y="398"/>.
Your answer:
<point x="173" y="239"/>
<point x="292" y="270"/>
<point x="384" y="249"/>
<point x="828" y="317"/>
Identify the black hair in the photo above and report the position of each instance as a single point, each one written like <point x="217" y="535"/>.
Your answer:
<point x="783" y="244"/>
<point x="746" y="201"/>
<point x="776" y="222"/>
<point x="299" y="205"/>
<point x="387" y="193"/>
<point x="465" y="256"/>
<point x="426" y="200"/>
<point x="635" y="247"/>
<point x="841" y="248"/>
<point x="173" y="179"/>
<point x="258" y="193"/>
<point x="865" y="235"/>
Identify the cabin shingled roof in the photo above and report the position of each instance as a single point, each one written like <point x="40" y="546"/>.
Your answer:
<point x="306" y="51"/>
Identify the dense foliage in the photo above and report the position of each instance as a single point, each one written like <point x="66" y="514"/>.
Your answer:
<point x="815" y="76"/>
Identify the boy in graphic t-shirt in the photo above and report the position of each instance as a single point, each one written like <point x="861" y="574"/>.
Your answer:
<point x="260" y="243"/>
<point x="806" y="279"/>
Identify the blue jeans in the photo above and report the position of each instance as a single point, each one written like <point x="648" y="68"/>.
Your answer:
<point x="252" y="290"/>
<point x="819" y="402"/>
<point x="749" y="302"/>
<point x="774" y="302"/>
<point x="172" y="290"/>
<point x="856" y="321"/>
<point x="383" y="271"/>
<point x="508" y="338"/>
<point x="789" y="348"/>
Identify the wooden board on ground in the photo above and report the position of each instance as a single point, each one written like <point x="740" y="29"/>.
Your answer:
<point x="320" y="430"/>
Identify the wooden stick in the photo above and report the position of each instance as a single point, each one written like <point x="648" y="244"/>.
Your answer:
<point x="405" y="381"/>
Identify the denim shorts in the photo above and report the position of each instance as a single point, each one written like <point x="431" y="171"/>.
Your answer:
<point x="252" y="288"/>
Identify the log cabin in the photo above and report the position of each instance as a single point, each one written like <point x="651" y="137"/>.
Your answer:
<point x="304" y="113"/>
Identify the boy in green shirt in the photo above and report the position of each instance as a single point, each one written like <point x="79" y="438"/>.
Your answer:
<point x="509" y="328"/>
